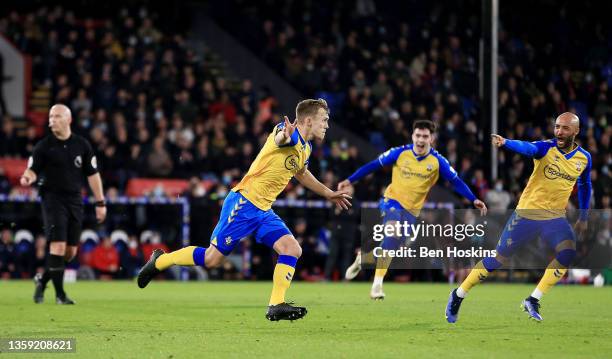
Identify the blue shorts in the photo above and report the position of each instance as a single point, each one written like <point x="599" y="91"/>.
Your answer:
<point x="520" y="230"/>
<point x="392" y="210"/>
<point x="240" y="218"/>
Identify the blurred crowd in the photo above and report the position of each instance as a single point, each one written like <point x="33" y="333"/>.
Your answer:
<point x="152" y="107"/>
<point x="386" y="64"/>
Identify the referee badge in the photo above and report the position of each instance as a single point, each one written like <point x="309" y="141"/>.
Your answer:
<point x="78" y="162"/>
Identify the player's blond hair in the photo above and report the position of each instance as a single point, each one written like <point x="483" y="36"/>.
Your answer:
<point x="310" y="107"/>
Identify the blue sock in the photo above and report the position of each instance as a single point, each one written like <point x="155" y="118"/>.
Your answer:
<point x="198" y="256"/>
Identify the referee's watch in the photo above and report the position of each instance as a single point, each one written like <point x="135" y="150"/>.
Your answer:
<point x="101" y="203"/>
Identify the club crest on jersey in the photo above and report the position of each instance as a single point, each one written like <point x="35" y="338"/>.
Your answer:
<point x="579" y="166"/>
<point x="228" y="240"/>
<point x="291" y="162"/>
<point x="557" y="158"/>
<point x="429" y="167"/>
<point x="78" y="161"/>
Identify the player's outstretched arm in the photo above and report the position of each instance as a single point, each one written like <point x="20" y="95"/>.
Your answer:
<point x="459" y="186"/>
<point x="363" y="171"/>
<point x="531" y="149"/>
<point x="385" y="159"/>
<point x="339" y="198"/>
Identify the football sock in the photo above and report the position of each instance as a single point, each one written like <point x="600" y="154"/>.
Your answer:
<point x="379" y="276"/>
<point x="537" y="294"/>
<point x="553" y="273"/>
<point x="479" y="273"/>
<point x="46" y="276"/>
<point x="382" y="266"/>
<point x="56" y="274"/>
<point x="188" y="256"/>
<point x="283" y="274"/>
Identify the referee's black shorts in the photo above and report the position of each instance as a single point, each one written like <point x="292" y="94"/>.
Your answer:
<point x="62" y="217"/>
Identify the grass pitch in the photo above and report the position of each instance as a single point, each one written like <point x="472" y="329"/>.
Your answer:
<point x="226" y="319"/>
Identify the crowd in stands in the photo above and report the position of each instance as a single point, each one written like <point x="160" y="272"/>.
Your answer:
<point x="152" y="107"/>
<point x="388" y="64"/>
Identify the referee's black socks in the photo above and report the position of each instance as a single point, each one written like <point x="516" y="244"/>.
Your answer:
<point x="55" y="272"/>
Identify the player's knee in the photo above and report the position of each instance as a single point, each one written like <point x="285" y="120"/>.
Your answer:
<point x="213" y="262"/>
<point x="566" y="256"/>
<point x="296" y="251"/>
<point x="292" y="249"/>
<point x="288" y="246"/>
<point x="57" y="248"/>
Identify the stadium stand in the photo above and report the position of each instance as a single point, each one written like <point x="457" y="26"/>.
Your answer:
<point x="154" y="108"/>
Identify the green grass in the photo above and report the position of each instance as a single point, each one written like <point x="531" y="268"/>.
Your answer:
<point x="226" y="319"/>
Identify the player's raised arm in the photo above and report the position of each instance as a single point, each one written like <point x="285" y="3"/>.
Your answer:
<point x="285" y="133"/>
<point x="449" y="174"/>
<point x="340" y="198"/>
<point x="535" y="149"/>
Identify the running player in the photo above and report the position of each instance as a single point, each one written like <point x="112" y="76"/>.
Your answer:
<point x="247" y="209"/>
<point x="416" y="169"/>
<point x="558" y="165"/>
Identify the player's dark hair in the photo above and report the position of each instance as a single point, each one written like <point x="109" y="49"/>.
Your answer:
<point x="310" y="107"/>
<point x="424" y="125"/>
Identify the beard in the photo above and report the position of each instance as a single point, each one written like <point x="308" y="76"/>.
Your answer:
<point x="567" y="142"/>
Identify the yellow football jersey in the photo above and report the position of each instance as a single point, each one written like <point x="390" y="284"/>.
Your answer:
<point x="413" y="176"/>
<point x="552" y="181"/>
<point x="273" y="168"/>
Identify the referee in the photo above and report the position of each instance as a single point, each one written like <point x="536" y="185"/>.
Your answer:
<point x="58" y="163"/>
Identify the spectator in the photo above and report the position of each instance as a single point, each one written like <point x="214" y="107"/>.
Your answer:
<point x="498" y="199"/>
<point x="158" y="159"/>
<point x="5" y="186"/>
<point x="105" y="259"/>
<point x="132" y="259"/>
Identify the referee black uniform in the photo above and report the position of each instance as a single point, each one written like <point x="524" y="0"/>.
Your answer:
<point x="61" y="166"/>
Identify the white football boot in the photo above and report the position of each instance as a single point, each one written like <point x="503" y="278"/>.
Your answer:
<point x="376" y="292"/>
<point x="353" y="269"/>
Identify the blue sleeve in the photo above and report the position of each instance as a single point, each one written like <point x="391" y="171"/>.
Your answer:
<point x="365" y="170"/>
<point x="384" y="159"/>
<point x="389" y="157"/>
<point x="294" y="137"/>
<point x="449" y="174"/>
<point x="536" y="149"/>
<point x="584" y="190"/>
